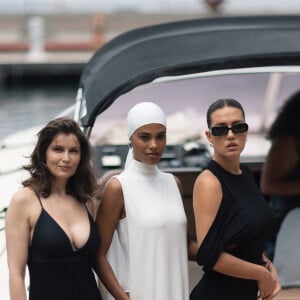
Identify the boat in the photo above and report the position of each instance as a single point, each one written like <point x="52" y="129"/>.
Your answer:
<point x="195" y="50"/>
<point x="150" y="62"/>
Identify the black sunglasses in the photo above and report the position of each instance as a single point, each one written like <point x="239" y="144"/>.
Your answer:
<point x="222" y="130"/>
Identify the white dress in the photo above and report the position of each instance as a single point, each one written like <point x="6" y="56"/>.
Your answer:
<point x="155" y="244"/>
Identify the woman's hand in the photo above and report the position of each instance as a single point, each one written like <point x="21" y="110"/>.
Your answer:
<point x="271" y="268"/>
<point x="266" y="285"/>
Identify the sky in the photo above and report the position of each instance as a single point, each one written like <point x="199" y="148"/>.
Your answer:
<point x="234" y="6"/>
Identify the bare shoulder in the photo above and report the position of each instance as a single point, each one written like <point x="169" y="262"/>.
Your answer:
<point x="23" y="197"/>
<point x="107" y="177"/>
<point x="113" y="186"/>
<point x="207" y="180"/>
<point x="23" y="203"/>
<point x="207" y="193"/>
<point x="113" y="195"/>
<point x="107" y="182"/>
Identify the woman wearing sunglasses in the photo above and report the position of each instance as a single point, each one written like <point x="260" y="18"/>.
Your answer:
<point x="232" y="218"/>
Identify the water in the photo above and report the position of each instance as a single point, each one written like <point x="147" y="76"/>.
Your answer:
<point x="23" y="106"/>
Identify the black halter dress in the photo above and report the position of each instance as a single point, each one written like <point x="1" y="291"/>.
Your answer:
<point x="57" y="272"/>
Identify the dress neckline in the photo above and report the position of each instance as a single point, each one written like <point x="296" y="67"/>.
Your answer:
<point x="72" y="246"/>
<point x="229" y="173"/>
<point x="143" y="169"/>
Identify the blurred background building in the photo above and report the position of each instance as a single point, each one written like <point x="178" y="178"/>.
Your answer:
<point x="40" y="37"/>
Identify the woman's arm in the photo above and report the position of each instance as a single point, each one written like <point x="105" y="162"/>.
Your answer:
<point x="235" y="267"/>
<point x="110" y="211"/>
<point x="281" y="160"/>
<point x="191" y="243"/>
<point x="17" y="230"/>
<point x="207" y="196"/>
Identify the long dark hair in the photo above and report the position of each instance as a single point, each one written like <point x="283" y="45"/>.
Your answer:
<point x="82" y="184"/>
<point x="287" y="120"/>
<point x="220" y="103"/>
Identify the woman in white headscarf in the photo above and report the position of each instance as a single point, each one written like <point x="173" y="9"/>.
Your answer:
<point x="142" y="209"/>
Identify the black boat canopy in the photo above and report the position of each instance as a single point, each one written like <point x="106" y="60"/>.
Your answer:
<point x="186" y="47"/>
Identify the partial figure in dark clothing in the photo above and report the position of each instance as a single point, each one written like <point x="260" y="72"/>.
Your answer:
<point x="232" y="218"/>
<point x="280" y="177"/>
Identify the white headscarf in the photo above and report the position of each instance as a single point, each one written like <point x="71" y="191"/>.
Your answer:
<point x="142" y="114"/>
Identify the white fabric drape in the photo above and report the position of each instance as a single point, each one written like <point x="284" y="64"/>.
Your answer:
<point x="156" y="255"/>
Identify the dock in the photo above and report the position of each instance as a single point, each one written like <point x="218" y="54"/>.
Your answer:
<point x="61" y="44"/>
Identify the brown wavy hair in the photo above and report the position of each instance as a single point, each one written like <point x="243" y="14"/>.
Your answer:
<point x="82" y="185"/>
